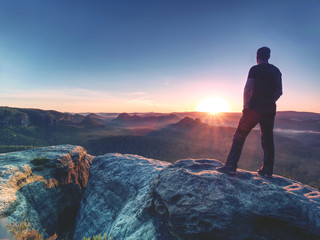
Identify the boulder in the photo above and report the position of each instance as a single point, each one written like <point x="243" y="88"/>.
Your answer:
<point x="197" y="202"/>
<point x="131" y="197"/>
<point x="45" y="185"/>
<point x="116" y="198"/>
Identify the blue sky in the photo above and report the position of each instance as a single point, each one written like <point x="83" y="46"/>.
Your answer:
<point x="116" y="56"/>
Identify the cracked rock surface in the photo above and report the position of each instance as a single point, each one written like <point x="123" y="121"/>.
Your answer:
<point x="65" y="190"/>
<point x="45" y="185"/>
<point x="197" y="202"/>
<point x="131" y="197"/>
<point x="117" y="197"/>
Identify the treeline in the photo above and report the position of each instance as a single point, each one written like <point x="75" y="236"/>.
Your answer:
<point x="294" y="161"/>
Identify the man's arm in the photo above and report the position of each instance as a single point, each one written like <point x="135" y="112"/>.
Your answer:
<point x="247" y="93"/>
<point x="278" y="91"/>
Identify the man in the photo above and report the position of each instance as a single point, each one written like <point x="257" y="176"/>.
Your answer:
<point x="263" y="88"/>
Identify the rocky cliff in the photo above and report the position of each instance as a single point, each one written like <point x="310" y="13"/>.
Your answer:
<point x="131" y="197"/>
<point x="45" y="185"/>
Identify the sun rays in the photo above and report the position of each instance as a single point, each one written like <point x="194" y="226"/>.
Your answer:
<point x="213" y="105"/>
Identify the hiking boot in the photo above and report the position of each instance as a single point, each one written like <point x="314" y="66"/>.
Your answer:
<point x="264" y="174"/>
<point x="227" y="169"/>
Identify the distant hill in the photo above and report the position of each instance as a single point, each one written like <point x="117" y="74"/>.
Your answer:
<point x="25" y="117"/>
<point x="298" y="115"/>
<point x="284" y="119"/>
<point x="93" y="120"/>
<point x="189" y="128"/>
<point x="23" y="128"/>
<point x="154" y="121"/>
<point x="168" y="137"/>
<point x="298" y="121"/>
<point x="188" y="122"/>
<point x="13" y="117"/>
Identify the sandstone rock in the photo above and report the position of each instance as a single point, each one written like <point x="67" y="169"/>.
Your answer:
<point x="130" y="197"/>
<point x="45" y="185"/>
<point x="196" y="202"/>
<point x="116" y="196"/>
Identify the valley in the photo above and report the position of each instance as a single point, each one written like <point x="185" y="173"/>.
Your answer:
<point x="168" y="137"/>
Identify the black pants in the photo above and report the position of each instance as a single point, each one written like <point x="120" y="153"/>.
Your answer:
<point x="247" y="122"/>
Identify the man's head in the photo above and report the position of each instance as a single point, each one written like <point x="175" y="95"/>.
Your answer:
<point x="263" y="54"/>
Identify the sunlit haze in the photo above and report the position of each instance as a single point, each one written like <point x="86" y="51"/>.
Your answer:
<point x="213" y="106"/>
<point x="159" y="56"/>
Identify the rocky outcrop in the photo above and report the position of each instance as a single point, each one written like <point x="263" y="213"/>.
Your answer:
<point x="126" y="117"/>
<point x="130" y="197"/>
<point x="116" y="196"/>
<point x="93" y="120"/>
<point x="197" y="202"/>
<point x="154" y="121"/>
<point x="45" y="185"/>
<point x="26" y="117"/>
<point x="13" y="117"/>
<point x="188" y="122"/>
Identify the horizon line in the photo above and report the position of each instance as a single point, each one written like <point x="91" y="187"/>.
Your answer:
<point x="140" y="112"/>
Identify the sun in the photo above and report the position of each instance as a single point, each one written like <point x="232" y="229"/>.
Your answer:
<point x="213" y="106"/>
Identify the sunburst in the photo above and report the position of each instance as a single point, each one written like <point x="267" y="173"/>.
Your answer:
<point x="213" y="105"/>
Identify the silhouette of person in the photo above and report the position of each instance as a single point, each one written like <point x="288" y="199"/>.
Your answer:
<point x="263" y="88"/>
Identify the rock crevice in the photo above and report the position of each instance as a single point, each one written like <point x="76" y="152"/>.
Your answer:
<point x="45" y="185"/>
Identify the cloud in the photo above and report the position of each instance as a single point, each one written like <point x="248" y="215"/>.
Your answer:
<point x="89" y="100"/>
<point x="78" y="100"/>
<point x="54" y="94"/>
<point x="62" y="100"/>
<point x="143" y="101"/>
<point x="135" y="93"/>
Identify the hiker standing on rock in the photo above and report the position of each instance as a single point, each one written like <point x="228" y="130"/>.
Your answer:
<point x="263" y="88"/>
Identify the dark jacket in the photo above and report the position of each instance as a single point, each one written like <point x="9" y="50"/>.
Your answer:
<point x="263" y="88"/>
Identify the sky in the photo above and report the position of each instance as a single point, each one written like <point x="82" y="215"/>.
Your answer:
<point x="153" y="56"/>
